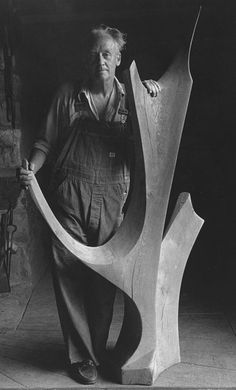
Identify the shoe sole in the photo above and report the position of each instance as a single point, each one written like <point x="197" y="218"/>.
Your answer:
<point x="82" y="380"/>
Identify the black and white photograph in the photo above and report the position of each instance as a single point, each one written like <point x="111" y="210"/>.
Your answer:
<point x="117" y="194"/>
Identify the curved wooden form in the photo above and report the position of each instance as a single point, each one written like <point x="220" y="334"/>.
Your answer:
<point x="138" y="259"/>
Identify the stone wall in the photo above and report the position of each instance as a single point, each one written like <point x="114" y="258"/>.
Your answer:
<point x="29" y="256"/>
<point x="26" y="263"/>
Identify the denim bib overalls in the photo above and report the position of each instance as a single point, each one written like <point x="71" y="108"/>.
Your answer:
<point x="91" y="184"/>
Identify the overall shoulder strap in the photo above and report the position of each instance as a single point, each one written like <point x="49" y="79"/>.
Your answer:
<point x="123" y="109"/>
<point x="124" y="100"/>
<point x="69" y="140"/>
<point x="80" y="103"/>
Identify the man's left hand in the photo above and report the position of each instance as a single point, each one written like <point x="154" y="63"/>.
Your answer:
<point x="152" y="87"/>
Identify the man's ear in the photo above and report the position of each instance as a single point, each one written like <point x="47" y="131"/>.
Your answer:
<point x="118" y="59"/>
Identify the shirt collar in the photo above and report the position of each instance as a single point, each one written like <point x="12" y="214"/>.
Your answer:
<point x="85" y="92"/>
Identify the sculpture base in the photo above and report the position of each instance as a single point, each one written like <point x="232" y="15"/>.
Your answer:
<point x="145" y="371"/>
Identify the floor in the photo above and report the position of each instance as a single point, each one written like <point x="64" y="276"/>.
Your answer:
<point x="33" y="356"/>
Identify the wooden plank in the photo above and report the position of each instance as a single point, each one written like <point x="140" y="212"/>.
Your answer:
<point x="206" y="339"/>
<point x="7" y="383"/>
<point x="12" y="306"/>
<point x="32" y="375"/>
<point x="192" y="376"/>
<point x="42" y="306"/>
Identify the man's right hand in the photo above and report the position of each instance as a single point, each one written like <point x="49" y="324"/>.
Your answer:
<point x="25" y="173"/>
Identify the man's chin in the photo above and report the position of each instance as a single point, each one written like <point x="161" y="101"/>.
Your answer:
<point x="102" y="75"/>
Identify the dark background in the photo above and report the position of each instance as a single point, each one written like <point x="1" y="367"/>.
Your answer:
<point x="48" y="39"/>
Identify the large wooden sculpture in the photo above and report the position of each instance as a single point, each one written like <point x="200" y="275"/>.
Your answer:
<point x="145" y="264"/>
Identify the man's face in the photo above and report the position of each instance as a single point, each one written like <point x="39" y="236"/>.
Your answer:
<point x="104" y="57"/>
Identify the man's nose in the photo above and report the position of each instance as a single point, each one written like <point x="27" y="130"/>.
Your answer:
<point x="100" y="59"/>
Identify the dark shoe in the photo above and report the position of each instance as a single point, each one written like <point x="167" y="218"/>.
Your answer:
<point x="84" y="372"/>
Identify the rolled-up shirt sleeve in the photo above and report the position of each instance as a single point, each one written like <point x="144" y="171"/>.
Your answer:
<point x="57" y="122"/>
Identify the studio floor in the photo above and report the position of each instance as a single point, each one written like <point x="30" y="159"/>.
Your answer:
<point x="33" y="356"/>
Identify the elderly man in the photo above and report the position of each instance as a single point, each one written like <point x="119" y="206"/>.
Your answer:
<point x="89" y="136"/>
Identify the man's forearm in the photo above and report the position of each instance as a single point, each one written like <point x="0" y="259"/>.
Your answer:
<point x="37" y="159"/>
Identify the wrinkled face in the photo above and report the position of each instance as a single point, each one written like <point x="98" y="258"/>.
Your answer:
<point x="103" y="58"/>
